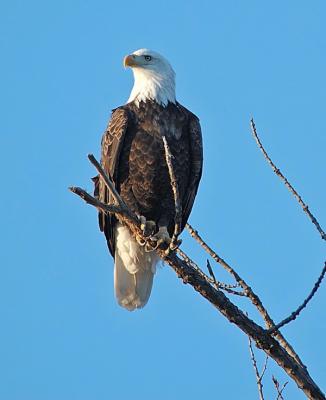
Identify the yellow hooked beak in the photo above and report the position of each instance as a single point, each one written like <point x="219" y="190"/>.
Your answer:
<point x="129" y="61"/>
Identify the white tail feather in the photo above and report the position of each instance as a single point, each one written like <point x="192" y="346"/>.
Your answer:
<point x="134" y="270"/>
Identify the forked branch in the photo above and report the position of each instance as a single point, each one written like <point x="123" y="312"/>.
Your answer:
<point x="259" y="375"/>
<point x="279" y="388"/>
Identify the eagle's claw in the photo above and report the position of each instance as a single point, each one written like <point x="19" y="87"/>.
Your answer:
<point x="140" y="240"/>
<point x="149" y="248"/>
<point x="160" y="239"/>
<point x="147" y="227"/>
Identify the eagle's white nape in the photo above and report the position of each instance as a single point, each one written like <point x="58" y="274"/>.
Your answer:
<point x="154" y="78"/>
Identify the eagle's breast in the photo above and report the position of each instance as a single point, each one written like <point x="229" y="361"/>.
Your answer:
<point x="144" y="178"/>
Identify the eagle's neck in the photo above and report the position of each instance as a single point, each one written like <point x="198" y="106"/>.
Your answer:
<point x="153" y="85"/>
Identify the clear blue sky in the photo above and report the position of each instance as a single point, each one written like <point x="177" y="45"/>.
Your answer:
<point x="62" y="334"/>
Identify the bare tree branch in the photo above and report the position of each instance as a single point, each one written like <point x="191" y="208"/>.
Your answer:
<point x="96" y="203"/>
<point x="286" y="182"/>
<point x="109" y="184"/>
<point x="263" y="340"/>
<point x="191" y="262"/>
<point x="217" y="284"/>
<point x="217" y="298"/>
<point x="175" y="189"/>
<point x="259" y="376"/>
<point x="264" y="368"/>
<point x="221" y="285"/>
<point x="295" y="313"/>
<point x="313" y="219"/>
<point x="278" y="388"/>
<point x="255" y="300"/>
<point x="210" y="270"/>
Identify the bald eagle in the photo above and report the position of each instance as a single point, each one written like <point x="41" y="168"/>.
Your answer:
<point x="133" y="156"/>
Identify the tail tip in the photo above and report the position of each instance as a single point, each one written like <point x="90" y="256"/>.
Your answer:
<point x="131" y="303"/>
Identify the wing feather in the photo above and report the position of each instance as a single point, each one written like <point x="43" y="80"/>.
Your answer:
<point x="111" y="145"/>
<point x="196" y="165"/>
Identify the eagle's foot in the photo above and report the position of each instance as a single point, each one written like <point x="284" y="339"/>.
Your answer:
<point x="147" y="227"/>
<point x="160" y="239"/>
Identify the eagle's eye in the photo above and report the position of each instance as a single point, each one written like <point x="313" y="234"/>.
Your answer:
<point x="148" y="58"/>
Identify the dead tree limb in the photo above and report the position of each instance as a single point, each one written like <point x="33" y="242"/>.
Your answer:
<point x="218" y="299"/>
<point x="106" y="208"/>
<point x="259" y="335"/>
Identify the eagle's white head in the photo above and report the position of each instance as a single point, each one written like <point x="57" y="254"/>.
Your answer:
<point x="154" y="77"/>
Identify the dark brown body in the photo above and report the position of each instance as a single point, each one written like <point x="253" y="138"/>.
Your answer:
<point x="133" y="155"/>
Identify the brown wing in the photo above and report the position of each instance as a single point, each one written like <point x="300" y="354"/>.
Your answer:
<point x="196" y="165"/>
<point x="111" y="145"/>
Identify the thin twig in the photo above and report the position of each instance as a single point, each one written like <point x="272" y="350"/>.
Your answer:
<point x="295" y="313"/>
<point x="248" y="291"/>
<point x="259" y="377"/>
<point x="221" y="285"/>
<point x="278" y="388"/>
<point x="286" y="182"/>
<point x="264" y="368"/>
<point x="109" y="184"/>
<point x="217" y="284"/>
<point x="175" y="189"/>
<point x="191" y="262"/>
<point x="210" y="270"/>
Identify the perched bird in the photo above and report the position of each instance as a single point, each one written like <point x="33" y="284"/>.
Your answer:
<point x="133" y="156"/>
